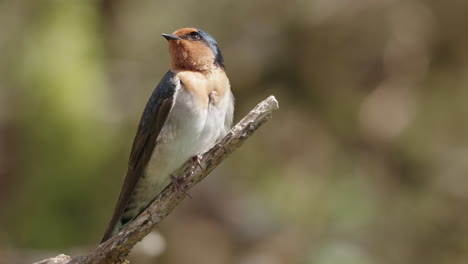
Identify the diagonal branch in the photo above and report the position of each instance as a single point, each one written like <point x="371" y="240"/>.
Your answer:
<point x="118" y="247"/>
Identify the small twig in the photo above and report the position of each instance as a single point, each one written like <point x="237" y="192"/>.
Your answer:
<point x="118" y="247"/>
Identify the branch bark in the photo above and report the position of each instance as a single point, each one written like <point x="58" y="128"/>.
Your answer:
<point x="118" y="247"/>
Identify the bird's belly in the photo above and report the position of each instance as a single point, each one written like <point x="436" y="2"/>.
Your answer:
<point x="190" y="129"/>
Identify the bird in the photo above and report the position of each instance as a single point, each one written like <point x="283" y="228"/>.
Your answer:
<point x="189" y="110"/>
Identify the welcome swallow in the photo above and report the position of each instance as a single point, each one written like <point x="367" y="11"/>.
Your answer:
<point x="190" y="109"/>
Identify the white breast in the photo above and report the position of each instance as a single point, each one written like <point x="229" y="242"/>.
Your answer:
<point x="190" y="129"/>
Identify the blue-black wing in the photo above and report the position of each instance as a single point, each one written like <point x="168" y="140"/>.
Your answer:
<point x="154" y="116"/>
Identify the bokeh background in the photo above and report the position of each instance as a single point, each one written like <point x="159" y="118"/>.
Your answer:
<point x="365" y="162"/>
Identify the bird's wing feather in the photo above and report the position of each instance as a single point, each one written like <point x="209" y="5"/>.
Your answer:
<point x="154" y="116"/>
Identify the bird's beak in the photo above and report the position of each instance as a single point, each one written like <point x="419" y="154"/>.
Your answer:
<point x="169" y="37"/>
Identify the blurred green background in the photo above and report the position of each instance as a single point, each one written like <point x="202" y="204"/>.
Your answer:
<point x="365" y="162"/>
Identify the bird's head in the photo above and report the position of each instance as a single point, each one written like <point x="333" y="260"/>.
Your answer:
<point x="193" y="49"/>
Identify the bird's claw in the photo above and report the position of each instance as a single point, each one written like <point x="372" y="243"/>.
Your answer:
<point x="179" y="188"/>
<point x="197" y="158"/>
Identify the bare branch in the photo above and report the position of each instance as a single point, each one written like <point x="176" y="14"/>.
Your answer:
<point x="118" y="247"/>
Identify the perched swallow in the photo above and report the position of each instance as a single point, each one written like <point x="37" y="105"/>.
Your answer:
<point x="190" y="109"/>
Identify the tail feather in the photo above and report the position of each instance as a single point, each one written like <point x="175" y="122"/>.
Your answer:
<point x="130" y="212"/>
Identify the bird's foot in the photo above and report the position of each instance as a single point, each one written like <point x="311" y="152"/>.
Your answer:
<point x="197" y="158"/>
<point x="179" y="188"/>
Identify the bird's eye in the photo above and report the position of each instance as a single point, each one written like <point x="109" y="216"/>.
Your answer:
<point x="195" y="36"/>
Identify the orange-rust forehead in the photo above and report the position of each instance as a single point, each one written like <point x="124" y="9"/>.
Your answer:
<point x="184" y="31"/>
